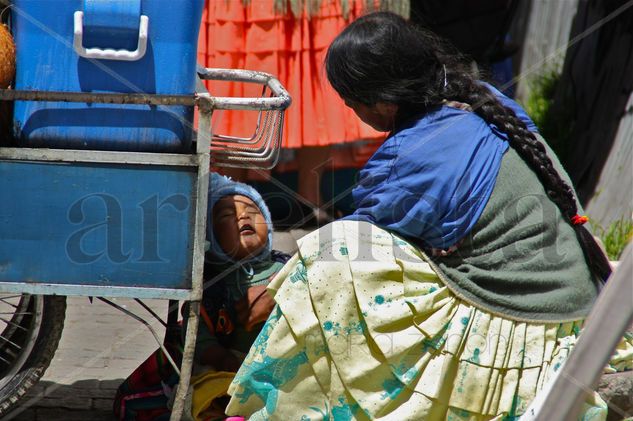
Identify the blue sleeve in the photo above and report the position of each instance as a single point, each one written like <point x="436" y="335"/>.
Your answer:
<point x="433" y="180"/>
<point x="398" y="203"/>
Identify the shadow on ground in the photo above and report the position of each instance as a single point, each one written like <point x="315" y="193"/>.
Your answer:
<point x="83" y="400"/>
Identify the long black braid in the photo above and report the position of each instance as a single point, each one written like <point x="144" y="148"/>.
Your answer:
<point x="463" y="88"/>
<point x="380" y="57"/>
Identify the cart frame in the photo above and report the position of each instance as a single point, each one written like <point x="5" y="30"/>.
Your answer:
<point x="198" y="161"/>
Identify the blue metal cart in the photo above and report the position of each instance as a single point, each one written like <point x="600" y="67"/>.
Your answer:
<point x="113" y="224"/>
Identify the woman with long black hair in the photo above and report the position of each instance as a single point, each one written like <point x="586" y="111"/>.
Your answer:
<point x="459" y="285"/>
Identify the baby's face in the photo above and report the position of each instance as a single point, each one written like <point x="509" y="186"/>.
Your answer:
<point x="239" y="227"/>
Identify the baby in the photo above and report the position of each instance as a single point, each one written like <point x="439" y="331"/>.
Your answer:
<point x="239" y="264"/>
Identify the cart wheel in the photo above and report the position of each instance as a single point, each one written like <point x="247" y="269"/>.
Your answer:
<point x="31" y="326"/>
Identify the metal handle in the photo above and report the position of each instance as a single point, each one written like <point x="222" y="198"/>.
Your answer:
<point x="261" y="150"/>
<point x="109" y="53"/>
<point x="280" y="101"/>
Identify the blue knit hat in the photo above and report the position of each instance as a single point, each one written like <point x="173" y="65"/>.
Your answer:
<point x="221" y="186"/>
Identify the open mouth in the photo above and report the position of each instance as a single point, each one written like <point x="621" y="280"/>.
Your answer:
<point x="247" y="229"/>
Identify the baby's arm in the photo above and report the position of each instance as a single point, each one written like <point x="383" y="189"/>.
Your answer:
<point x="255" y="307"/>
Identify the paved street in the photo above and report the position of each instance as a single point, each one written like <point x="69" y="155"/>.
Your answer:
<point x="100" y="346"/>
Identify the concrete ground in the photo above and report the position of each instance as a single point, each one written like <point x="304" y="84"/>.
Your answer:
<point x="100" y="346"/>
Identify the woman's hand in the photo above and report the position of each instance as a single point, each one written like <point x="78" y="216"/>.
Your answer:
<point x="255" y="307"/>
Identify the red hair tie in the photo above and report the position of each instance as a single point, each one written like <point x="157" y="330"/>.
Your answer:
<point x="579" y="219"/>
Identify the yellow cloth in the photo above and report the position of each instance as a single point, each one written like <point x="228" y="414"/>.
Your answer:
<point x="364" y="329"/>
<point x="206" y="388"/>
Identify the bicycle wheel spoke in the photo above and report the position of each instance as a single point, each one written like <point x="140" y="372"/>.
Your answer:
<point x="3" y="299"/>
<point x="10" y="342"/>
<point x="9" y="322"/>
<point x="6" y="297"/>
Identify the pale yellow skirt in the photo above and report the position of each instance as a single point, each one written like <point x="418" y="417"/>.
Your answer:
<point x="365" y="329"/>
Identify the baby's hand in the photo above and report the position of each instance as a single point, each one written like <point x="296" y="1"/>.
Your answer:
<point x="255" y="307"/>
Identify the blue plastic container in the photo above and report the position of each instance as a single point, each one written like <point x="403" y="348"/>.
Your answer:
<point x="47" y="60"/>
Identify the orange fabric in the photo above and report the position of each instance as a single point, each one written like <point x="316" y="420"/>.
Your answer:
<point x="254" y="37"/>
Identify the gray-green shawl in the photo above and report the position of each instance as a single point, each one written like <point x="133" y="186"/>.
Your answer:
<point x="521" y="260"/>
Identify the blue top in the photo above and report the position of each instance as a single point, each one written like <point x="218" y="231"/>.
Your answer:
<point x="432" y="178"/>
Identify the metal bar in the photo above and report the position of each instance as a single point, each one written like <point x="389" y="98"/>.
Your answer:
<point x="203" y="141"/>
<point x="2" y="338"/>
<point x="187" y="362"/>
<point x="243" y="157"/>
<point x="150" y="311"/>
<point x="95" y="291"/>
<point x="256" y="134"/>
<point x="199" y="238"/>
<point x="5" y="360"/>
<point x="199" y="235"/>
<point x="101" y="98"/>
<point x="260" y="132"/>
<point x="280" y="101"/>
<point x="234" y="75"/>
<point x="260" y="150"/>
<point x="202" y="194"/>
<point x="102" y="157"/>
<point x="17" y="325"/>
<point x="611" y="315"/>
<point x="252" y="104"/>
<point x="247" y="76"/>
<point x="245" y="160"/>
<point x="147" y="325"/>
<point x="255" y="138"/>
<point x="238" y="152"/>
